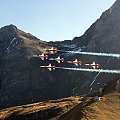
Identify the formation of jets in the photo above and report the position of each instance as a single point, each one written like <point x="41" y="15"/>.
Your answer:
<point x="59" y="60"/>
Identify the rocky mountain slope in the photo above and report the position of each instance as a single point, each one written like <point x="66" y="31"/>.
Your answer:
<point x="103" y="36"/>
<point x="22" y="81"/>
<point x="102" y="104"/>
<point x="106" y="40"/>
<point x="104" y="107"/>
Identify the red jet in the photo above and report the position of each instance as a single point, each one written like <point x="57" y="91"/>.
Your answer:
<point x="43" y="57"/>
<point x="51" y="50"/>
<point x="93" y="65"/>
<point x="58" y="59"/>
<point x="49" y="67"/>
<point x="75" y="62"/>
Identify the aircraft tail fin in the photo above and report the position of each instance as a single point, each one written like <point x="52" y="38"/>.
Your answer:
<point x="58" y="61"/>
<point x="94" y="67"/>
<point x="42" y="58"/>
<point x="49" y="69"/>
<point x="76" y="64"/>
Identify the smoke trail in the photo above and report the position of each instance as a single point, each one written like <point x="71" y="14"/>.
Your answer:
<point x="95" y="78"/>
<point x="96" y="54"/>
<point x="99" y="73"/>
<point x="92" y="70"/>
<point x="91" y="81"/>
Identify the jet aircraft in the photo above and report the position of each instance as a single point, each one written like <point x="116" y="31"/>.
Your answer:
<point x="94" y="65"/>
<point x="58" y="59"/>
<point x="51" y="50"/>
<point x="75" y="62"/>
<point x="42" y="56"/>
<point x="49" y="67"/>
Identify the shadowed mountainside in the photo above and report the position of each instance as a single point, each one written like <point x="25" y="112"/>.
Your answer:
<point x="72" y="108"/>
<point x="21" y="79"/>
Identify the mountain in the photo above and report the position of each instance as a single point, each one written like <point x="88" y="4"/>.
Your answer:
<point x="97" y="108"/>
<point x="103" y="36"/>
<point x="101" y="105"/>
<point x="105" y="40"/>
<point x="22" y="80"/>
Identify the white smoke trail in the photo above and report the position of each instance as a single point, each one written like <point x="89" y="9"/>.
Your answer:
<point x="92" y="70"/>
<point x="96" y="54"/>
<point x="99" y="73"/>
<point x="91" y="81"/>
<point x="95" y="78"/>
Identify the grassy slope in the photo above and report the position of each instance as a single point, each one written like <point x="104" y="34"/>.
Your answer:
<point x="39" y="111"/>
<point x="106" y="109"/>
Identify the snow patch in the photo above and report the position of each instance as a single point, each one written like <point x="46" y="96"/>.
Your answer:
<point x="8" y="48"/>
<point x="74" y="89"/>
<point x="91" y="89"/>
<point x="12" y="40"/>
<point x="8" y="52"/>
<point x="78" y="49"/>
<point x="68" y="45"/>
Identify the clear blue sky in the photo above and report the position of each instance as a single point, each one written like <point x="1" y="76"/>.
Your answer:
<point x="52" y="19"/>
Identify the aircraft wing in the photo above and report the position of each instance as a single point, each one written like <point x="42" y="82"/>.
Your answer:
<point x="42" y="58"/>
<point x="58" y="61"/>
<point x="76" y="64"/>
<point x="94" y="67"/>
<point x="49" y="69"/>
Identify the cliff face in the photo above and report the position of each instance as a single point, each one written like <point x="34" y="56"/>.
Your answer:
<point x="107" y="29"/>
<point x="106" y="40"/>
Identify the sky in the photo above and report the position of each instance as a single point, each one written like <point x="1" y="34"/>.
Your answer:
<point x="52" y="20"/>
